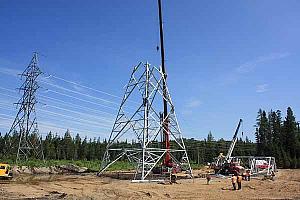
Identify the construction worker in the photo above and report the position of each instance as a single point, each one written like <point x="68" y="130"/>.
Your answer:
<point x="173" y="179"/>
<point x="273" y="176"/>
<point x="239" y="181"/>
<point x="233" y="181"/>
<point x="208" y="178"/>
<point x="247" y="176"/>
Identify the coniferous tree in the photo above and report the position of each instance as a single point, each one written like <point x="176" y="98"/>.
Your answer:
<point x="210" y="153"/>
<point x="289" y="129"/>
<point x="77" y="146"/>
<point x="83" y="150"/>
<point x="274" y="137"/>
<point x="262" y="132"/>
<point x="68" y="146"/>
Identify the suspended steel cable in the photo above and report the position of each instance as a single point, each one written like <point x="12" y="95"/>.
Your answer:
<point x="83" y="100"/>
<point x="62" y="102"/>
<point x="76" y="123"/>
<point x="10" y="90"/>
<point x="88" y="115"/>
<point x="98" y="116"/>
<point x="50" y="125"/>
<point x="81" y="121"/>
<point x="59" y="100"/>
<point x="4" y="71"/>
<point x="10" y="96"/>
<point x="105" y="119"/>
<point x="11" y="72"/>
<point x="71" y="129"/>
<point x="9" y="116"/>
<point x="79" y="113"/>
<point x="87" y="87"/>
<point x="73" y="118"/>
<point x="96" y="90"/>
<point x="79" y="93"/>
<point x="86" y="95"/>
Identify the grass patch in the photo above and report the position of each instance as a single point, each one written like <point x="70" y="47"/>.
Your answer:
<point x="92" y="165"/>
<point x="121" y="165"/>
<point x="196" y="166"/>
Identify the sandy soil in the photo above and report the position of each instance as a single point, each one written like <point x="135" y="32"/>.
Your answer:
<point x="286" y="186"/>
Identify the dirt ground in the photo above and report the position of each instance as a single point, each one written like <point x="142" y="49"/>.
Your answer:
<point x="89" y="186"/>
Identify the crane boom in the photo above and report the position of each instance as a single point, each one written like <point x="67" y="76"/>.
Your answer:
<point x="233" y="142"/>
<point x="166" y="134"/>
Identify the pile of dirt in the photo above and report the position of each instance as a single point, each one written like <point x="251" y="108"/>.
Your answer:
<point x="60" y="169"/>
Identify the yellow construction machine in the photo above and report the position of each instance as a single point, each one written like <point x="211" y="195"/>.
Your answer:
<point x="5" y="171"/>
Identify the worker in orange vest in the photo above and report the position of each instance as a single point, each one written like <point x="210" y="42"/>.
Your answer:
<point x="247" y="176"/>
<point x="208" y="178"/>
<point x="233" y="181"/>
<point x="239" y="181"/>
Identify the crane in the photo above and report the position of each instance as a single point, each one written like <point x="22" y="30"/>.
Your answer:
<point x="233" y="142"/>
<point x="222" y="163"/>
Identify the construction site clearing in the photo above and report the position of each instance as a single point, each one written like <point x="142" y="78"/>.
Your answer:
<point x="112" y="185"/>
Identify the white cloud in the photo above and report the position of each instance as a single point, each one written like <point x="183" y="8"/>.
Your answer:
<point x="190" y="105"/>
<point x="262" y="88"/>
<point x="194" y="103"/>
<point x="250" y="66"/>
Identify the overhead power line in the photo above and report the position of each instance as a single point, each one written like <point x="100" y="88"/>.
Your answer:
<point x="84" y="122"/>
<point x="83" y="114"/>
<point x="9" y="96"/>
<point x="79" y="121"/>
<point x="6" y="116"/>
<point x="52" y="126"/>
<point x="75" y="124"/>
<point x="96" y="90"/>
<point x="4" y="71"/>
<point x="83" y="100"/>
<point x="10" y="90"/>
<point x="90" y="88"/>
<point x="5" y="104"/>
<point x="62" y="102"/>
<point x="79" y="93"/>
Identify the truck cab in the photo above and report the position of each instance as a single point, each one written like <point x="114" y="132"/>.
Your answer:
<point x="5" y="171"/>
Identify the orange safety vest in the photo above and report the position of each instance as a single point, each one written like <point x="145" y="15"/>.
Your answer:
<point x="239" y="179"/>
<point x="233" y="179"/>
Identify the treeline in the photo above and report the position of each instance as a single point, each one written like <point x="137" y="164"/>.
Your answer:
<point x="278" y="137"/>
<point x="66" y="147"/>
<point x="204" y="151"/>
<point x="274" y="137"/>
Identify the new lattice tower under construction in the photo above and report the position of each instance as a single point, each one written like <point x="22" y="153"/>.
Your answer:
<point x="147" y="118"/>
<point x="145" y="125"/>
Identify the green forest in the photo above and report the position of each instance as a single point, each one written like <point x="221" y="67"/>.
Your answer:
<point x="274" y="136"/>
<point x="278" y="137"/>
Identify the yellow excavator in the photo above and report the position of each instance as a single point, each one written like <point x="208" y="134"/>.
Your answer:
<point x="5" y="171"/>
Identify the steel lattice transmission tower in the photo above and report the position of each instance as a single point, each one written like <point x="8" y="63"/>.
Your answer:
<point x="146" y="126"/>
<point x="25" y="123"/>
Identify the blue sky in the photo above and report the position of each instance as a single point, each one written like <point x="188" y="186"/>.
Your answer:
<point x="224" y="59"/>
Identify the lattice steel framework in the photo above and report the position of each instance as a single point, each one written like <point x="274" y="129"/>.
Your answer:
<point x="258" y="165"/>
<point x="25" y="123"/>
<point x="145" y="124"/>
